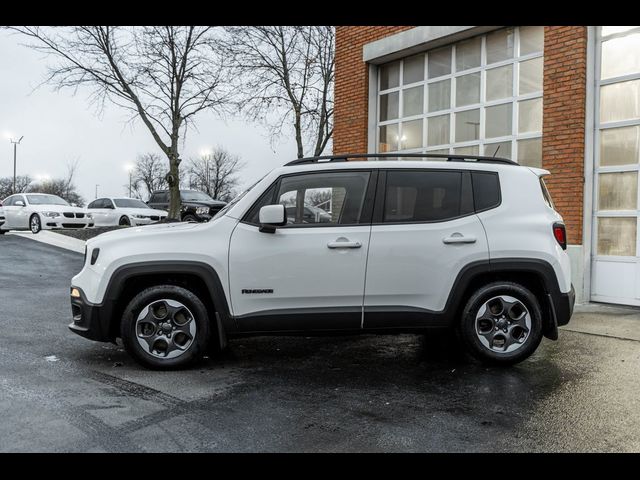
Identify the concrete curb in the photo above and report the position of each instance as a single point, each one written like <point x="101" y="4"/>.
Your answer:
<point x="55" y="239"/>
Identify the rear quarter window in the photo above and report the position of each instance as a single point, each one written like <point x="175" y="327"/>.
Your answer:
<point x="546" y="195"/>
<point x="486" y="190"/>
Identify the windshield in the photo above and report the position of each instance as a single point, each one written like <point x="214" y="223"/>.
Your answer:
<point x="130" y="203"/>
<point x="41" y="199"/>
<point x="226" y="208"/>
<point x="194" y="196"/>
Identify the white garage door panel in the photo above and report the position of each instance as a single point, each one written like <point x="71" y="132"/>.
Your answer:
<point x="615" y="280"/>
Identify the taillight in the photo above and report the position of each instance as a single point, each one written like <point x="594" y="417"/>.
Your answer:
<point x="560" y="233"/>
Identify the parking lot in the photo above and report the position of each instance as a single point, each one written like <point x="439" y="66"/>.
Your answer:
<point x="60" y="392"/>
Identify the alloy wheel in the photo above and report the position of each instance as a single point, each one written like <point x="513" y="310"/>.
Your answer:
<point x="503" y="324"/>
<point x="165" y="329"/>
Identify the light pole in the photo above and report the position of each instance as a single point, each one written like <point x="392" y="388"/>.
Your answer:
<point x="129" y="168"/>
<point x="97" y="185"/>
<point x="15" y="154"/>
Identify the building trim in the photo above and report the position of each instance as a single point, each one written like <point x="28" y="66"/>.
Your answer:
<point x="417" y="40"/>
<point x="589" y="156"/>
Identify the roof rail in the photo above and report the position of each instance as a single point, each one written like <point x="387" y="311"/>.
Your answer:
<point x="447" y="157"/>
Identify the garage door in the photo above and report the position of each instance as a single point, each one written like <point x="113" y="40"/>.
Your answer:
<point x="616" y="260"/>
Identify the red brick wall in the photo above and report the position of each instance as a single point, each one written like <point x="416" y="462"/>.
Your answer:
<point x="563" y="130"/>
<point x="565" y="60"/>
<point x="352" y="85"/>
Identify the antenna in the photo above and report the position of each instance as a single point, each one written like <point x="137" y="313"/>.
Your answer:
<point x="496" y="152"/>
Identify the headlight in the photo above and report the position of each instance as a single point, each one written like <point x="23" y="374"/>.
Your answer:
<point x="50" y="214"/>
<point x="202" y="210"/>
<point x="89" y="215"/>
<point x="140" y="216"/>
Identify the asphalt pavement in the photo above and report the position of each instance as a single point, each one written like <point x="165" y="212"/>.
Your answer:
<point x="62" y="393"/>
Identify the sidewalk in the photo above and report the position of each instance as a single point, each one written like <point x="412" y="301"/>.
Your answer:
<point x="606" y="320"/>
<point x="55" y="239"/>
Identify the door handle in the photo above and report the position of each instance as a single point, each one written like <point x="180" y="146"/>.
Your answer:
<point x="459" y="238"/>
<point x="343" y="243"/>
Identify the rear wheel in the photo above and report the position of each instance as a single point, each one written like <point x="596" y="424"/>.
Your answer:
<point x="165" y="327"/>
<point x="34" y="223"/>
<point x="501" y="323"/>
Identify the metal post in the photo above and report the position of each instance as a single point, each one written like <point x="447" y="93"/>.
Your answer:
<point x="15" y="145"/>
<point x="129" y="183"/>
<point x="97" y="185"/>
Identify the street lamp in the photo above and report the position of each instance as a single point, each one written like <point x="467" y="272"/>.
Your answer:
<point x="15" y="147"/>
<point x="129" y="168"/>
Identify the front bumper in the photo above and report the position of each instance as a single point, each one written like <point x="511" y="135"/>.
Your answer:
<point x="90" y="320"/>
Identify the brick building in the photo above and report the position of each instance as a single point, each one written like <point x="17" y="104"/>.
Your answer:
<point x="564" y="98"/>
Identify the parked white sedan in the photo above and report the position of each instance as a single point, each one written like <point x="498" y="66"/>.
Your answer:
<point x="123" y="211"/>
<point x="41" y="211"/>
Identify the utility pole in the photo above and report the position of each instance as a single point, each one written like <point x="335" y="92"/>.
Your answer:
<point x="15" y="145"/>
<point x="97" y="185"/>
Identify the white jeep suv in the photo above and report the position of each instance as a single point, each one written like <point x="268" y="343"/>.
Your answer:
<point x="468" y="244"/>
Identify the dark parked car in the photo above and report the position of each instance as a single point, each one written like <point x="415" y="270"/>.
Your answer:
<point x="196" y="206"/>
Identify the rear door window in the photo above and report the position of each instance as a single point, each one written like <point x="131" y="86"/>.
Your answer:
<point x="424" y="196"/>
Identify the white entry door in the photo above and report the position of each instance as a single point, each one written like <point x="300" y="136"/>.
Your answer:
<point x="616" y="252"/>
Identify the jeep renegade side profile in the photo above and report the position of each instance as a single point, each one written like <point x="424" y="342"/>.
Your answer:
<point x="470" y="244"/>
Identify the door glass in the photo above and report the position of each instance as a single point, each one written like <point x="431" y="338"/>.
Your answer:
<point x="323" y="198"/>
<point x="422" y="196"/>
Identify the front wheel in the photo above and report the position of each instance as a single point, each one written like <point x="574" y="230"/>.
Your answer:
<point x="501" y="323"/>
<point x="165" y="327"/>
<point x="124" y="221"/>
<point x="189" y="218"/>
<point x="34" y="223"/>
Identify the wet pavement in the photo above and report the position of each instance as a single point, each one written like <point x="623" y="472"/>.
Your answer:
<point x="62" y="393"/>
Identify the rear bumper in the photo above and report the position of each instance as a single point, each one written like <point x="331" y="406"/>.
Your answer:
<point x="563" y="306"/>
<point x="90" y="320"/>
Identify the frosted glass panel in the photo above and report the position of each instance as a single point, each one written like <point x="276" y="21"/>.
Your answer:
<point x="411" y="135"/>
<point x="412" y="101"/>
<point x="471" y="150"/>
<point x="530" y="76"/>
<point x="498" y="121"/>
<point x="439" y="95"/>
<point x="617" y="236"/>
<point x="500" y="149"/>
<point x="439" y="62"/>
<point x="413" y="69"/>
<point x="531" y="39"/>
<point x="438" y="130"/>
<point x="620" y="101"/>
<point x="621" y="56"/>
<point x="388" y="138"/>
<point x="530" y="152"/>
<point x="468" y="54"/>
<point x="499" y="83"/>
<point x="468" y="89"/>
<point x="530" y="116"/>
<point x="618" y="191"/>
<point x="389" y="106"/>
<point x="500" y="45"/>
<point x="389" y="75"/>
<point x="619" y="146"/>
<point x="467" y="125"/>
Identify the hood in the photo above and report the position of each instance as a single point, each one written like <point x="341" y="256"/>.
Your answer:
<point x="147" y="230"/>
<point x="214" y="203"/>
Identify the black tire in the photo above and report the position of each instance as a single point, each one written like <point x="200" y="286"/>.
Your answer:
<point x="189" y="218"/>
<point x="124" y="221"/>
<point x="2" y="232"/>
<point x="35" y="225"/>
<point x="199" y="343"/>
<point x="470" y="338"/>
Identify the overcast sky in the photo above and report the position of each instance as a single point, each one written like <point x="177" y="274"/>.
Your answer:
<point x="59" y="127"/>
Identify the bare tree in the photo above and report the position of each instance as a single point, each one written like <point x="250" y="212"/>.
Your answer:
<point x="216" y="173"/>
<point x="6" y="185"/>
<point x="162" y="75"/>
<point x="149" y="174"/>
<point x="288" y="72"/>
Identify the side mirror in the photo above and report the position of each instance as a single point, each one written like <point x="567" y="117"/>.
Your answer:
<point x="272" y="216"/>
<point x="19" y="203"/>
